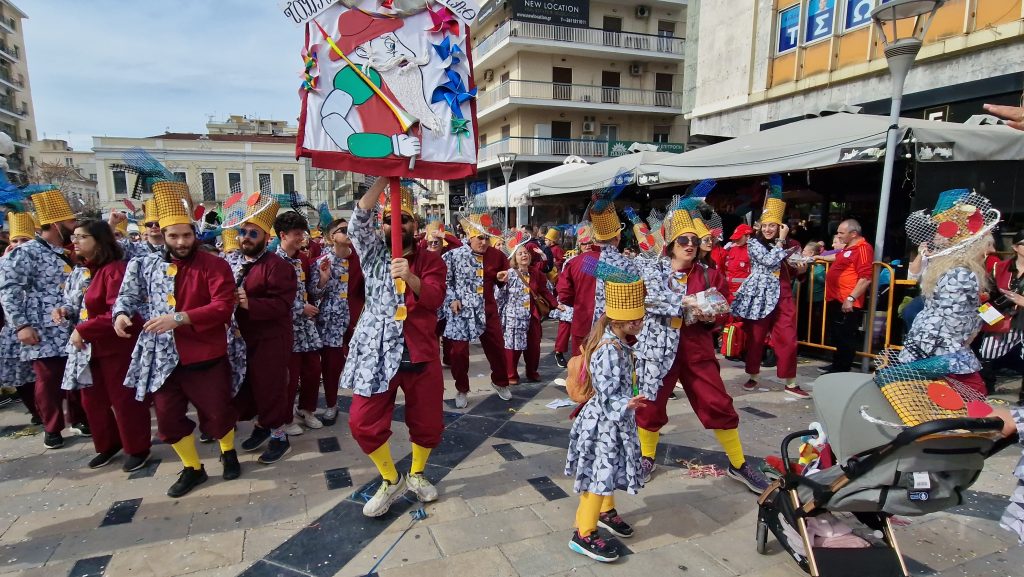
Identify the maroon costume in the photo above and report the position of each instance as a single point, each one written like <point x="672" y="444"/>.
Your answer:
<point x="576" y="289"/>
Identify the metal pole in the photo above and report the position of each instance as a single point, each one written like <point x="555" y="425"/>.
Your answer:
<point x="506" y="174"/>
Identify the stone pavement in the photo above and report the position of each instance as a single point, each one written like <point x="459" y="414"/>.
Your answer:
<point x="505" y="507"/>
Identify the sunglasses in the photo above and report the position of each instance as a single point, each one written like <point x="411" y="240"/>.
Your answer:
<point x="249" y="233"/>
<point x="687" y="241"/>
<point x="153" y="224"/>
<point x="341" y="229"/>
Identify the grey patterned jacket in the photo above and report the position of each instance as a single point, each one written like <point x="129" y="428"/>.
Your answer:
<point x="465" y="283"/>
<point x="658" y="340"/>
<point x="303" y="328"/>
<point x="332" y="322"/>
<point x="948" y="323"/>
<point x="13" y="371"/>
<point x="31" y="285"/>
<point x="514" y="308"/>
<point x="759" y="293"/>
<point x="1013" y="517"/>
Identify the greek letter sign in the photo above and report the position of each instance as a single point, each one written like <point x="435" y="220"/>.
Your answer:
<point x="789" y="28"/>
<point x="858" y="12"/>
<point x="574" y="13"/>
<point x="820" y="19"/>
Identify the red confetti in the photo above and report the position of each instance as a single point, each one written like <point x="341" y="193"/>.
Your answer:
<point x="945" y="397"/>
<point x="978" y="409"/>
<point x="231" y="200"/>
<point x="975" y="222"/>
<point x="948" y="229"/>
<point x="200" y="210"/>
<point x="253" y="199"/>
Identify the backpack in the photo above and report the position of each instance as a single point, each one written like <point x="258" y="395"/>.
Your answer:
<point x="577" y="382"/>
<point x="733" y="341"/>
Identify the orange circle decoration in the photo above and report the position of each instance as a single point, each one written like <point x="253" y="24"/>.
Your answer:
<point x="975" y="222"/>
<point x="485" y="220"/>
<point x="253" y="199"/>
<point x="231" y="200"/>
<point x="978" y="409"/>
<point x="948" y="229"/>
<point x="945" y="397"/>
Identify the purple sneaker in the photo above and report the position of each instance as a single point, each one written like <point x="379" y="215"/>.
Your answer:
<point x="750" y="477"/>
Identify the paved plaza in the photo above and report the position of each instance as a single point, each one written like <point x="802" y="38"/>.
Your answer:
<point x="505" y="508"/>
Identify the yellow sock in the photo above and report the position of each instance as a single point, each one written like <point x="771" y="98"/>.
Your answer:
<point x="385" y="464"/>
<point x="607" y="503"/>
<point x="419" y="458"/>
<point x="730" y="441"/>
<point x="187" y="452"/>
<point x="588" y="512"/>
<point x="648" y="442"/>
<point x="227" y="442"/>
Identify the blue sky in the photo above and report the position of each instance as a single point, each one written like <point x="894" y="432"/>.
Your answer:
<point x="122" y="68"/>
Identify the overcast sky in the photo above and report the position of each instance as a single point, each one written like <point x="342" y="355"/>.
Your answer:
<point x="123" y="68"/>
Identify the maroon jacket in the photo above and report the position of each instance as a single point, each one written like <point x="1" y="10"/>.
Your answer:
<point x="205" y="289"/>
<point x="539" y="289"/>
<point x="421" y="322"/>
<point x="573" y="283"/>
<point x="495" y="261"/>
<point x="98" y="328"/>
<point x="270" y="287"/>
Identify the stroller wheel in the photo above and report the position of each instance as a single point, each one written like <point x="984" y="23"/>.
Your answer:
<point x="761" y="540"/>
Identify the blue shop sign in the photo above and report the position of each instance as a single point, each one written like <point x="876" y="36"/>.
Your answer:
<point x="820" y="19"/>
<point x="789" y="28"/>
<point x="858" y="13"/>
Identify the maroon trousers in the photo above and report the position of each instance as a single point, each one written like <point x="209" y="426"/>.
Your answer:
<point x="562" y="337"/>
<point x="493" y="342"/>
<point x="208" y="389"/>
<point x="50" y="397"/>
<point x="332" y="360"/>
<point x="304" y="368"/>
<point x="703" y="385"/>
<point x="534" y="335"/>
<point x="369" y="418"/>
<point x="781" y="325"/>
<point x="116" y="419"/>
<point x="264" y="391"/>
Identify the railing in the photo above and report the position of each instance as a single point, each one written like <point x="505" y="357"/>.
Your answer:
<point x="579" y="93"/>
<point x="7" y="106"/>
<point x="8" y="23"/>
<point x="12" y="51"/>
<point x="583" y="36"/>
<point x="5" y="75"/>
<point x="530" y="146"/>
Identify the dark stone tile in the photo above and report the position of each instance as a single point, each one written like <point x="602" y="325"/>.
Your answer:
<point x="758" y="412"/>
<point x="509" y="452"/>
<point x="537" y="434"/>
<point x="454" y="448"/>
<point x="328" y="444"/>
<point x="485" y="426"/>
<point x="264" y="569"/>
<point x="344" y="403"/>
<point x="917" y="568"/>
<point x="91" y="567"/>
<point x="148" y="471"/>
<point x="668" y="454"/>
<point x="337" y="478"/>
<point x="545" y="486"/>
<point x="121" y="512"/>
<point x="982" y="505"/>
<point x="494" y="407"/>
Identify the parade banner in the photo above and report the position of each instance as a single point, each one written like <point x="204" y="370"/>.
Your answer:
<point x="387" y="89"/>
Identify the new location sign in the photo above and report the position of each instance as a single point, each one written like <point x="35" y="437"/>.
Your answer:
<point x="575" y="13"/>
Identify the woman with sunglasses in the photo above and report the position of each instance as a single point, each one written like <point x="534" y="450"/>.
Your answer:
<point x="117" y="420"/>
<point x="517" y="305"/>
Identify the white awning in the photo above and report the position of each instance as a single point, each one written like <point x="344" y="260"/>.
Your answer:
<point x="598" y="175"/>
<point x="518" y="191"/>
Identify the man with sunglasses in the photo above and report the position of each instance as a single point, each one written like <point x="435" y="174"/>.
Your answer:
<point x="152" y="241"/>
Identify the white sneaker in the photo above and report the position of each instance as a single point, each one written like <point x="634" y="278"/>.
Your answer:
<point x="309" y="419"/>
<point x="461" y="402"/>
<point x="503" y="392"/>
<point x="386" y="495"/>
<point x="424" y="489"/>
<point x="293" y="428"/>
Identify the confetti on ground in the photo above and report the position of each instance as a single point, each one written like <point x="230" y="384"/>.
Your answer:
<point x="696" y="470"/>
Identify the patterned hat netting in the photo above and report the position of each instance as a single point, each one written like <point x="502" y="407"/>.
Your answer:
<point x="960" y="218"/>
<point x="512" y="239"/>
<point x="604" y="219"/>
<point x="923" y="391"/>
<point x="649" y="239"/>
<point x="478" y="220"/>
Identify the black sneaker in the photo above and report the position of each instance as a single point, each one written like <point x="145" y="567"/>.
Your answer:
<point x="257" y="439"/>
<point x="204" y="438"/>
<point x="276" y="450"/>
<point x="749" y="476"/>
<point x="36" y="419"/>
<point x="188" y="479"/>
<point x="611" y="521"/>
<point x="560" y="360"/>
<point x="135" y="462"/>
<point x="594" y="547"/>
<point x="232" y="470"/>
<point x="102" y="459"/>
<point x="81" y="429"/>
<point x="53" y="440"/>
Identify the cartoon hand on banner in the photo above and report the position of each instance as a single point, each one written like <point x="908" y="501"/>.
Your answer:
<point x="406" y="145"/>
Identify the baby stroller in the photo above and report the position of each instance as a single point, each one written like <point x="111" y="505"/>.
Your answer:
<point x="881" y="471"/>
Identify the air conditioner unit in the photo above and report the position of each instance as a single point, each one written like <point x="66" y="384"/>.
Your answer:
<point x="643" y="11"/>
<point x="636" y="69"/>
<point x="488" y="75"/>
<point x="589" y="127"/>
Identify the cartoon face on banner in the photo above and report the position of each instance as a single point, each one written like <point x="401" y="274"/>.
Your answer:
<point x="387" y="89"/>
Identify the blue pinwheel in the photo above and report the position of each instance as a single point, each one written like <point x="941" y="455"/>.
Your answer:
<point x="450" y="54"/>
<point x="453" y="92"/>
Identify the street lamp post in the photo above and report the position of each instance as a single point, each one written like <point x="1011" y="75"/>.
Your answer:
<point x="902" y="25"/>
<point x="507" y="160"/>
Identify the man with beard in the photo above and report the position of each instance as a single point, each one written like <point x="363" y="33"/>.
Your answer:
<point x="186" y="297"/>
<point x="387" y="354"/>
<point x="353" y="115"/>
<point x="266" y="291"/>
<point x="31" y="287"/>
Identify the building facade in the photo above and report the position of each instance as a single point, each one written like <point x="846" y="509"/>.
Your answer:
<point x="762" y="62"/>
<point x="575" y="78"/>
<point x="74" y="171"/>
<point x="17" y="116"/>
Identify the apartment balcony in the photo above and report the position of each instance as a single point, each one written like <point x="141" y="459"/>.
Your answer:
<point x="7" y="107"/>
<point x="577" y="96"/>
<point x="19" y="142"/>
<point x="11" y="53"/>
<point x="8" y="80"/>
<point x="530" y="149"/>
<point x="8" y="24"/>
<point x="580" y="41"/>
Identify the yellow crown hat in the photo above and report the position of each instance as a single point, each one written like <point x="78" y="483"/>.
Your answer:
<point x="21" y="224"/>
<point x="122" y="227"/>
<point x="407" y="202"/>
<point x="679" y="223"/>
<point x="51" y="206"/>
<point x="229" y="240"/>
<point x="624" y="301"/>
<point x="774" y="211"/>
<point x="173" y="203"/>
<point x="263" y="217"/>
<point x="605" y="223"/>
<point x="700" y="228"/>
<point x="149" y="211"/>
<point x="552" y="234"/>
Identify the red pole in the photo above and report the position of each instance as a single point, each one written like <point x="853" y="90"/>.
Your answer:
<point x="396" y="239"/>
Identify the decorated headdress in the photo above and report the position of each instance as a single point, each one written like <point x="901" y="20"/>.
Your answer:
<point x="921" y="391"/>
<point x="603" y="217"/>
<point x="679" y="219"/>
<point x="552" y="234"/>
<point x="512" y="239"/>
<point x="21" y="225"/>
<point x="959" y="218"/>
<point x="122" y="227"/>
<point x="229" y="240"/>
<point x="774" y="207"/>
<point x="407" y="202"/>
<point x="149" y="211"/>
<point x="435" y="231"/>
<point x="479" y="221"/>
<point x="173" y="203"/>
<point x="650" y="243"/>
<point x="623" y="290"/>
<point x="584" y="234"/>
<point x="262" y="214"/>
<point x="51" y="206"/>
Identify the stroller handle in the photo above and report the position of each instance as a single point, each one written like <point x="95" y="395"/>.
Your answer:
<point x="912" y="434"/>
<point x="797" y="435"/>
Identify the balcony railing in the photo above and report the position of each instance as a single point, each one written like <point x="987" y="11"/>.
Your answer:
<point x="672" y="101"/>
<point x="8" y="23"/>
<point x="529" y="146"/>
<point x="6" y="105"/>
<point x="582" y="36"/>
<point x="11" y="52"/>
<point x="5" y="75"/>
